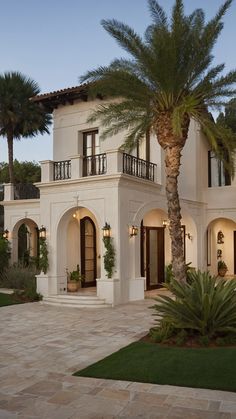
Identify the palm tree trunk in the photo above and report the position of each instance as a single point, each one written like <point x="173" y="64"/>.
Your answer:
<point x="172" y="164"/>
<point x="173" y="146"/>
<point x="10" y="157"/>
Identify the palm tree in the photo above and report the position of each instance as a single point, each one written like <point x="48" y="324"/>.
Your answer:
<point x="168" y="80"/>
<point x="19" y="117"/>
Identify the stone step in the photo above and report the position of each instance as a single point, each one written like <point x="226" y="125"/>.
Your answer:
<point x="80" y="301"/>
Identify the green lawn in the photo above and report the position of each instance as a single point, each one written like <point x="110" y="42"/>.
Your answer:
<point x="213" y="368"/>
<point x="7" y="300"/>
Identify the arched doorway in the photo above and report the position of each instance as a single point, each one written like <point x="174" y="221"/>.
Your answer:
<point x="221" y="245"/>
<point x="25" y="242"/>
<point x="78" y="245"/>
<point x="88" y="251"/>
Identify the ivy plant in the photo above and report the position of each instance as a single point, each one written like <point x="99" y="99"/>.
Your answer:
<point x="109" y="256"/>
<point x="43" y="256"/>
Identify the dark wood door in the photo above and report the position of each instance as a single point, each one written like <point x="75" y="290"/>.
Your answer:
<point x="88" y="251"/>
<point x="234" y="252"/>
<point x="153" y="259"/>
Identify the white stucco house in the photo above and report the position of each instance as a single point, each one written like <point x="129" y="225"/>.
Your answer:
<point x="90" y="183"/>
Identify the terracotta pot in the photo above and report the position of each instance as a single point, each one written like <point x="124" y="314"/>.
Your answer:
<point x="72" y="286"/>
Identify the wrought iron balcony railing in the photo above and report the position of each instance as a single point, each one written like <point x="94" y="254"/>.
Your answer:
<point x="62" y="170"/>
<point x="95" y="165"/>
<point x="138" y="167"/>
<point x="26" y="191"/>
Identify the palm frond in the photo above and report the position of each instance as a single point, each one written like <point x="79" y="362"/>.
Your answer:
<point x="158" y="14"/>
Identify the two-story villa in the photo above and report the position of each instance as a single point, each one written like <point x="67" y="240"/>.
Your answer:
<point x="90" y="183"/>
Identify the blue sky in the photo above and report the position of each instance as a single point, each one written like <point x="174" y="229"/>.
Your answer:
<point x="56" y="41"/>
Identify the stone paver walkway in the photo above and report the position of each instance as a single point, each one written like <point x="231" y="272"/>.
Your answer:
<point x="41" y="346"/>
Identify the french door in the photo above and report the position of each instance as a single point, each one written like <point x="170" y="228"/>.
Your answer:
<point x="152" y="256"/>
<point x="88" y="251"/>
<point x="91" y="149"/>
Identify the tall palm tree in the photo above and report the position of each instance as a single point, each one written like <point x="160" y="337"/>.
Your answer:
<point x="168" y="80"/>
<point x="20" y="117"/>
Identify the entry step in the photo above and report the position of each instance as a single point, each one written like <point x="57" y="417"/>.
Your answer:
<point x="80" y="301"/>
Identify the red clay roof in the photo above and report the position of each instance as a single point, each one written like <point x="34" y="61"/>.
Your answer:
<point x="59" y="97"/>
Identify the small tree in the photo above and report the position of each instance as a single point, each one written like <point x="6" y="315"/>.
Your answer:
<point x="19" y="116"/>
<point x="24" y="172"/>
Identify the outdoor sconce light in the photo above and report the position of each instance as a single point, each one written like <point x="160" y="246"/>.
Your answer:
<point x="5" y="234"/>
<point x="133" y="230"/>
<point x="74" y="215"/>
<point x="106" y="230"/>
<point x="42" y="233"/>
<point x="165" y="223"/>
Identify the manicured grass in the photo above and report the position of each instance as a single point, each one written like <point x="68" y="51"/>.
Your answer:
<point x="7" y="300"/>
<point x="213" y="368"/>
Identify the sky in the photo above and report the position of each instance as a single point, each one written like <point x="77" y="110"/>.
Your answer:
<point x="56" y="41"/>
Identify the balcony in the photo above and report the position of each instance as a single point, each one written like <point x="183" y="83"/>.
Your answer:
<point x="110" y="163"/>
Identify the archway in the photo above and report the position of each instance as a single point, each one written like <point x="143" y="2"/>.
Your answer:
<point x="155" y="244"/>
<point x="78" y="245"/>
<point x="25" y="240"/>
<point x="221" y="245"/>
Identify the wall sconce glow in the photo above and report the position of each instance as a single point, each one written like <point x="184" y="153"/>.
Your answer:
<point x="106" y="230"/>
<point x="189" y="236"/>
<point x="42" y="233"/>
<point x="165" y="223"/>
<point x="5" y="234"/>
<point x="133" y="230"/>
<point x="74" y="215"/>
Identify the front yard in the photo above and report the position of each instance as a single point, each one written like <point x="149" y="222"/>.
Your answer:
<point x="211" y="368"/>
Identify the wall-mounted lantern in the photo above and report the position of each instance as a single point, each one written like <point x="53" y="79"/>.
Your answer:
<point x="5" y="234"/>
<point x="42" y="233"/>
<point x="133" y="230"/>
<point x="106" y="230"/>
<point x="165" y="223"/>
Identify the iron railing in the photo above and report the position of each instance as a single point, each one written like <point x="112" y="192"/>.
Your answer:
<point x="26" y="191"/>
<point x="138" y="167"/>
<point x="95" y="165"/>
<point x="62" y="170"/>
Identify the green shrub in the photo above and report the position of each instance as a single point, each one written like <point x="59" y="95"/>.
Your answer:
<point x="168" y="273"/>
<point x="162" y="333"/>
<point x="18" y="277"/>
<point x="29" y="294"/>
<point x="206" y="307"/>
<point x="4" y="254"/>
<point x="204" y="340"/>
<point x="22" y="280"/>
<point x="43" y="262"/>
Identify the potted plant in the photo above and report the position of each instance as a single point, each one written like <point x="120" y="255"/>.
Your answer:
<point x="74" y="280"/>
<point x="222" y="268"/>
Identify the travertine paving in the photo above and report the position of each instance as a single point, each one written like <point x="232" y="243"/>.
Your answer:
<point x="40" y="346"/>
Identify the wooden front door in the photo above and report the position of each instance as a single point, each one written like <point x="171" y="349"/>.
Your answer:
<point x="234" y="252"/>
<point x="153" y="256"/>
<point x="88" y="251"/>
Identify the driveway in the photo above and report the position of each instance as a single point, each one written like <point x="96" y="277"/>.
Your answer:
<point x="41" y="346"/>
